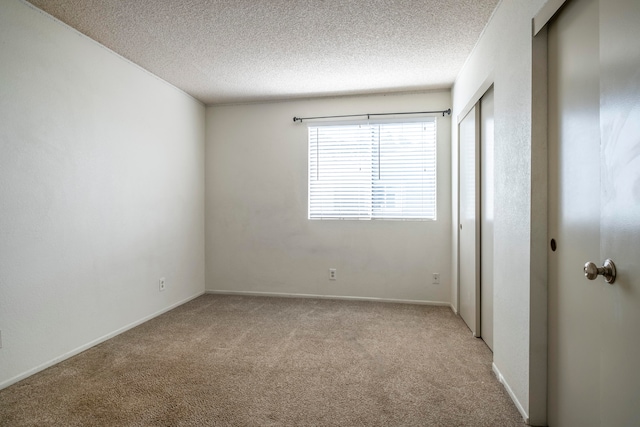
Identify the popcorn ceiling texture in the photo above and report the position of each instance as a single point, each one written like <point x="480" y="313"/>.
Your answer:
<point x="225" y="51"/>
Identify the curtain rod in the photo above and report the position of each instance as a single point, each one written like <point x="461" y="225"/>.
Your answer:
<point x="300" y="119"/>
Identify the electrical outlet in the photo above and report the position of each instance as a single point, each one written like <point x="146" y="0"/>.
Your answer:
<point x="162" y="284"/>
<point x="332" y="274"/>
<point x="436" y="278"/>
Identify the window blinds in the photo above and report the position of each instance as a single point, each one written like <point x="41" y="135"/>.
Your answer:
<point x="373" y="171"/>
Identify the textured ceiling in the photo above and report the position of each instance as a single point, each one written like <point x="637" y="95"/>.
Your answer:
<point x="223" y="51"/>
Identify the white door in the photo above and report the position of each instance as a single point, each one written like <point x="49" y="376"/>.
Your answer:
<point x="594" y="213"/>
<point x="468" y="259"/>
<point x="486" y="218"/>
<point x="574" y="215"/>
<point x="620" y="211"/>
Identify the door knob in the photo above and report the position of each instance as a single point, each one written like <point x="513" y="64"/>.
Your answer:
<point x="608" y="271"/>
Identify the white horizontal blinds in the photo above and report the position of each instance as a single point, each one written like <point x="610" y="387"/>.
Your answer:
<point x="404" y="171"/>
<point x="340" y="171"/>
<point x="373" y="171"/>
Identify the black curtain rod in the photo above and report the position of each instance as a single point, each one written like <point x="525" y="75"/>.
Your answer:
<point x="300" y="119"/>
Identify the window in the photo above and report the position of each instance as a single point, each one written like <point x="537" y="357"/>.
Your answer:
<point x="373" y="171"/>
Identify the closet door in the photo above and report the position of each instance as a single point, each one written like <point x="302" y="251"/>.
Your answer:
<point x="486" y="218"/>
<point x="594" y="214"/>
<point x="469" y="231"/>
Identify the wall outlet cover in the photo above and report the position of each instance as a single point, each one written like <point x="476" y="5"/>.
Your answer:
<point x="162" y="284"/>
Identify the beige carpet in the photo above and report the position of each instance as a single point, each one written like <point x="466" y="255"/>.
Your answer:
<point x="252" y="361"/>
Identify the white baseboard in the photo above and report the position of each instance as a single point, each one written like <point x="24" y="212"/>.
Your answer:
<point x="511" y="393"/>
<point x="334" y="297"/>
<point x="95" y="342"/>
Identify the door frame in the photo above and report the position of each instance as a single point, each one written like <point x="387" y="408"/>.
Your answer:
<point x="538" y="340"/>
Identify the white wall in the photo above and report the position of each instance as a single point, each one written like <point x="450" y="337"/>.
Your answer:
<point x="258" y="237"/>
<point x="101" y="192"/>
<point x="504" y="56"/>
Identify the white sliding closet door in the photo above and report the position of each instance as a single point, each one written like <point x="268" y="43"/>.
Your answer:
<point x="469" y="231"/>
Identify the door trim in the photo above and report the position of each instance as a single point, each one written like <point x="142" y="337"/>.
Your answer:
<point x="538" y="327"/>
<point x="482" y="89"/>
<point x="545" y="14"/>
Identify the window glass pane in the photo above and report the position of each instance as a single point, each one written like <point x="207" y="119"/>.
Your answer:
<point x="373" y="171"/>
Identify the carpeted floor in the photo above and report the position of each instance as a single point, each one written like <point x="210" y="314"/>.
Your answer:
<point x="258" y="361"/>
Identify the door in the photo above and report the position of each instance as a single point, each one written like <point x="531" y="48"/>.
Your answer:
<point x="486" y="218"/>
<point x="574" y="214"/>
<point x="594" y="213"/>
<point x="620" y="211"/>
<point x="468" y="233"/>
